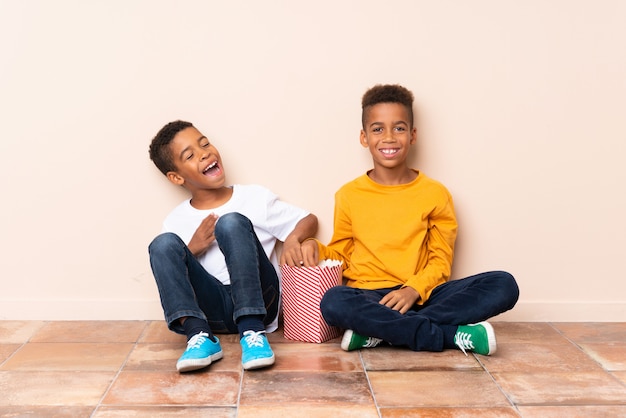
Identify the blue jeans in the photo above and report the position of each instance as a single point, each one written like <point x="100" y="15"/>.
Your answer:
<point x="429" y="327"/>
<point x="187" y="289"/>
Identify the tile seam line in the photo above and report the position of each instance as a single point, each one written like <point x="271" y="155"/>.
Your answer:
<point x="582" y="350"/>
<point x="119" y="370"/>
<point x="369" y="383"/>
<point x="238" y="401"/>
<point x="500" y="388"/>
<point x="23" y="344"/>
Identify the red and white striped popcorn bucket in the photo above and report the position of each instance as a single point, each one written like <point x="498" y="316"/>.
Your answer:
<point x="303" y="288"/>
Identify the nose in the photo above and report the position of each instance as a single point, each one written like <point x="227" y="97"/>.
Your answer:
<point x="388" y="137"/>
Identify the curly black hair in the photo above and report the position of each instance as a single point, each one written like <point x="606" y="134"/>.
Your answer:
<point x="159" y="147"/>
<point x="387" y="93"/>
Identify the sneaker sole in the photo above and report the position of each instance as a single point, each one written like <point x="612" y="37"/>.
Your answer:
<point x="345" y="341"/>
<point x="491" y="337"/>
<point x="198" y="363"/>
<point x="259" y="363"/>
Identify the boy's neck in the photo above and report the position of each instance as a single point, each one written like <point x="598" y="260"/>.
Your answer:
<point x="211" y="199"/>
<point x="392" y="177"/>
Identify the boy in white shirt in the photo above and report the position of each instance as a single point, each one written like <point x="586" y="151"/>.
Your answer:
<point x="214" y="262"/>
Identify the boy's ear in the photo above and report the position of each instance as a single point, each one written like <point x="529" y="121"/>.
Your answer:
<point x="175" y="178"/>
<point x="413" y="135"/>
<point x="363" y="138"/>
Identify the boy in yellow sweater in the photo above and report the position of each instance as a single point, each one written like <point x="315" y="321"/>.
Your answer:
<point x="394" y="229"/>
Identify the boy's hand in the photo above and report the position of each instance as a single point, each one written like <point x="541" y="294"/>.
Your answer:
<point x="204" y="235"/>
<point x="310" y="252"/>
<point x="401" y="300"/>
<point x="297" y="255"/>
<point x="292" y="253"/>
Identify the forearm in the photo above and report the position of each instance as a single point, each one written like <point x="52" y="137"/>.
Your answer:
<point x="305" y="228"/>
<point x="196" y="250"/>
<point x="292" y="253"/>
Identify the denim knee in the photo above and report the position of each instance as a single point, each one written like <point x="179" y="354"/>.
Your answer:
<point x="331" y="305"/>
<point x="165" y="243"/>
<point x="230" y="222"/>
<point x="506" y="286"/>
<point x="510" y="285"/>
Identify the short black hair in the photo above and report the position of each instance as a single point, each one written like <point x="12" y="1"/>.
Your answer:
<point x="387" y="93"/>
<point x="159" y="147"/>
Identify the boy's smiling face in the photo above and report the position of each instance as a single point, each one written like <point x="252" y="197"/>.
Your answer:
<point x="198" y="163"/>
<point x="389" y="135"/>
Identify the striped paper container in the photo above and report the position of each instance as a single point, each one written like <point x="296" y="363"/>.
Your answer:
<point x="303" y="288"/>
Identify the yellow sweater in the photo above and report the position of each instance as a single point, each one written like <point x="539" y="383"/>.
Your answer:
<point x="393" y="235"/>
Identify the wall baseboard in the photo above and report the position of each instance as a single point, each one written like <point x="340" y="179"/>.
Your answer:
<point x="81" y="309"/>
<point x="547" y="311"/>
<point x="150" y="309"/>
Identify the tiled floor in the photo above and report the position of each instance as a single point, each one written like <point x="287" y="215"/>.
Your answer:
<point x="127" y="369"/>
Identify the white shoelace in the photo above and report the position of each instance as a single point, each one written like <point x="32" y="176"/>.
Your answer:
<point x="253" y="338"/>
<point x="463" y="340"/>
<point x="372" y="342"/>
<point x="197" y="340"/>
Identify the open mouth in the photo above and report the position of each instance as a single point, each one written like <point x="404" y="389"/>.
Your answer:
<point x="212" y="169"/>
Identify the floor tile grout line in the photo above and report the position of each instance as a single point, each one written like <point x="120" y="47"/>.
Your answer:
<point x="500" y="388"/>
<point x="369" y="383"/>
<point x="238" y="402"/>
<point x="119" y="371"/>
<point x="612" y="373"/>
<point x="560" y="332"/>
<point x="582" y="350"/>
<point x="579" y="348"/>
<point x="13" y="354"/>
<point x="23" y="344"/>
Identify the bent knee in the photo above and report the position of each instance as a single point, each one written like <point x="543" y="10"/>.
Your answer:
<point x="509" y="286"/>
<point x="165" y="242"/>
<point x="331" y="303"/>
<point x="230" y="221"/>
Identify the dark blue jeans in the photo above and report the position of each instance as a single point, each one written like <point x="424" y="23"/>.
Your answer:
<point x="187" y="289"/>
<point x="430" y="327"/>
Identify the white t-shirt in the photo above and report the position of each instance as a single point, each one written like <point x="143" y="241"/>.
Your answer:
<point x="272" y="220"/>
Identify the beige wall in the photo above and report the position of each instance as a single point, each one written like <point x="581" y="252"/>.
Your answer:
<point x="521" y="113"/>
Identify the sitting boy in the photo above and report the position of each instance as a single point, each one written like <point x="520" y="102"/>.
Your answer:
<point x="214" y="262"/>
<point x="394" y="230"/>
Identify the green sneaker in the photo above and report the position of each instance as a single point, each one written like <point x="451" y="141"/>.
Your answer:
<point x="479" y="338"/>
<point x="353" y="341"/>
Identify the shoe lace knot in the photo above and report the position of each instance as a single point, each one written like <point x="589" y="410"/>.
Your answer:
<point x="254" y="338"/>
<point x="463" y="340"/>
<point x="197" y="340"/>
<point x="372" y="342"/>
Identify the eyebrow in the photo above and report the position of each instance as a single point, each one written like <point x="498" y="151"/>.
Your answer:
<point x="399" y="122"/>
<point x="187" y="148"/>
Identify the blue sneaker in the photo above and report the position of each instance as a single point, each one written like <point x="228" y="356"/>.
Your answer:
<point x="200" y="352"/>
<point x="255" y="350"/>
